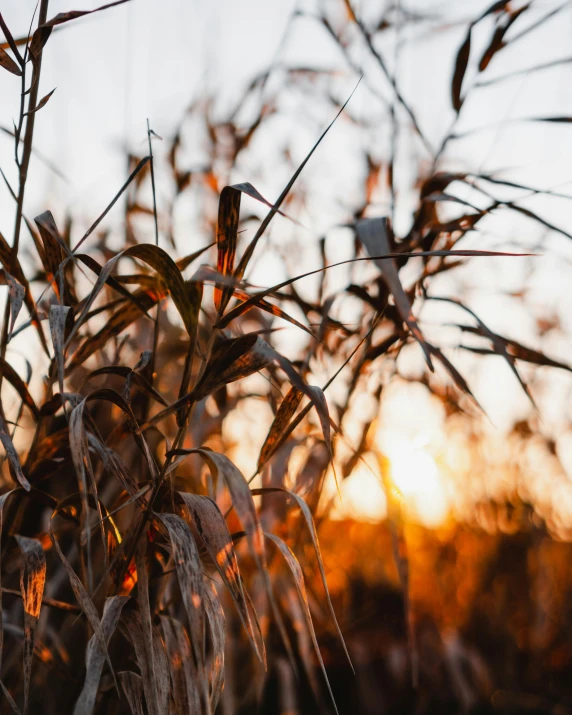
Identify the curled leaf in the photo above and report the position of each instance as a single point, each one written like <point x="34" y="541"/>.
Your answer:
<point x="16" y="296"/>
<point x="61" y="324"/>
<point x="212" y="528"/>
<point x="373" y="234"/>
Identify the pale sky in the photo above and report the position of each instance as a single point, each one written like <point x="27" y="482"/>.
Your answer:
<point x="151" y="58"/>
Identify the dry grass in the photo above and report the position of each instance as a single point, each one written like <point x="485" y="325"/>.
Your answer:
<point x="132" y="533"/>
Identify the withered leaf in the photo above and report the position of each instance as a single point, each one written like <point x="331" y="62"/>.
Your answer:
<point x="154" y="667"/>
<point x="3" y="499"/>
<point x="132" y="685"/>
<point x="212" y="528"/>
<point x="82" y="597"/>
<point x="95" y="656"/>
<point x="216" y="623"/>
<point x="277" y="430"/>
<point x="11" y="453"/>
<point x="61" y="325"/>
<point x="135" y="377"/>
<point x="227" y="229"/>
<point x="8" y="372"/>
<point x="296" y="570"/>
<point x="184" y="675"/>
<point x="42" y="102"/>
<point x="460" y="68"/>
<point x="373" y="234"/>
<point x="231" y="360"/>
<point x="221" y="466"/>
<point x="8" y="63"/>
<point x="32" y="580"/>
<point x="190" y="577"/>
<point x="158" y="259"/>
<point x="306" y="513"/>
<point x="120" y="319"/>
<point x="43" y="32"/>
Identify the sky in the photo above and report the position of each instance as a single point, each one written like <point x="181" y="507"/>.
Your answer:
<point x="150" y="59"/>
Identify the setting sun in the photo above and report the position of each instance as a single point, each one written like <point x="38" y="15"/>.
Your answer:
<point x="415" y="474"/>
<point x="362" y="497"/>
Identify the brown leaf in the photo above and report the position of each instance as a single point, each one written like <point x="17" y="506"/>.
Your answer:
<point x="82" y="597"/>
<point x="95" y="656"/>
<point x="497" y="42"/>
<point x="132" y="685"/>
<point x="3" y="499"/>
<point x="274" y="310"/>
<point x="247" y="255"/>
<point x="190" y="576"/>
<point x="231" y="360"/>
<point x="212" y="528"/>
<point x="183" y="263"/>
<point x="42" y="102"/>
<point x="32" y="580"/>
<point x="253" y="301"/>
<point x="155" y="674"/>
<point x="221" y="466"/>
<point x="120" y="319"/>
<point x="498" y="343"/>
<point x="460" y="68"/>
<point x="195" y="291"/>
<point x="55" y="251"/>
<point x="11" y="453"/>
<point x="296" y="570"/>
<point x="158" y="259"/>
<point x="61" y="325"/>
<point x="184" y="676"/>
<point x="18" y="273"/>
<point x="8" y="372"/>
<point x="237" y="358"/>
<point x="8" y="63"/>
<point x="43" y="32"/>
<point x="373" y="234"/>
<point x="458" y="379"/>
<point x="16" y="296"/>
<point x="135" y="377"/>
<point x="227" y="229"/>
<point x="116" y="284"/>
<point x="306" y="513"/>
<point x="146" y="626"/>
<point x="216" y="623"/>
<point x="276" y="433"/>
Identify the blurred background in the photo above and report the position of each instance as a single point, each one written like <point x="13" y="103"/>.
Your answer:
<point x="468" y="490"/>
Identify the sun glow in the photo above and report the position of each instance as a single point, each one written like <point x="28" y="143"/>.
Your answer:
<point x="362" y="497"/>
<point x="416" y="475"/>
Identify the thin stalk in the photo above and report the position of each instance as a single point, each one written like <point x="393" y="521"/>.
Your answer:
<point x="24" y="165"/>
<point x="156" y="222"/>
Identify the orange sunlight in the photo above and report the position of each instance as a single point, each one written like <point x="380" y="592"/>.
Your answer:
<point x="414" y="472"/>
